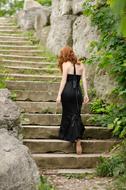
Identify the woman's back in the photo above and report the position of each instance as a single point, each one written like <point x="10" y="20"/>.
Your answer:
<point x="70" y="68"/>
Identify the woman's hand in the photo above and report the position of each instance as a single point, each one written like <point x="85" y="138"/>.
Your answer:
<point x="86" y="99"/>
<point x="58" y="100"/>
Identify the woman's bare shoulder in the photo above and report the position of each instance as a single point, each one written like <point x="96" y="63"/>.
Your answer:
<point x="66" y="64"/>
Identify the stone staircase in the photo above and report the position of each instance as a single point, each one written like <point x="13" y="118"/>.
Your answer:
<point x="35" y="85"/>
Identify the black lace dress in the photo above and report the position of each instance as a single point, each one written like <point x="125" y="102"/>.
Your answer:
<point x="71" y="100"/>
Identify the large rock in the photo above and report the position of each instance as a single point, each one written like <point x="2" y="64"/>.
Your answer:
<point x="26" y="19"/>
<point x="18" y="170"/>
<point x="77" y="6"/>
<point x="9" y="113"/>
<point x="90" y="74"/>
<point x="83" y="35"/>
<point x="60" y="33"/>
<point x="42" y="24"/>
<point x="60" y="8"/>
<point x="34" y="16"/>
<point x="28" y="4"/>
<point x="42" y="35"/>
<point x="104" y="84"/>
<point x="66" y="7"/>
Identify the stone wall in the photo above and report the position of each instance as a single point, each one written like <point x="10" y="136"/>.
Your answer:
<point x="18" y="170"/>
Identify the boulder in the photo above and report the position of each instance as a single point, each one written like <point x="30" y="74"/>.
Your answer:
<point x="83" y="35"/>
<point x="42" y="20"/>
<point x="34" y="16"/>
<point x="9" y="113"/>
<point x="28" y="4"/>
<point x="26" y="19"/>
<point x="77" y="6"/>
<point x="60" y="33"/>
<point x="90" y="74"/>
<point x="103" y="84"/>
<point x="18" y="170"/>
<point x="42" y="35"/>
<point x="60" y="8"/>
<point x="65" y="7"/>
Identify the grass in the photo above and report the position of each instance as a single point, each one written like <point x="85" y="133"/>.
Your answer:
<point x="4" y="78"/>
<point x="44" y="185"/>
<point x="13" y="96"/>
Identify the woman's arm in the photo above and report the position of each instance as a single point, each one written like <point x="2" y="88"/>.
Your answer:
<point x="63" y="80"/>
<point x="86" y="99"/>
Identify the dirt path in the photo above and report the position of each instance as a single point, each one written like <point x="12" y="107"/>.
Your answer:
<point x="67" y="182"/>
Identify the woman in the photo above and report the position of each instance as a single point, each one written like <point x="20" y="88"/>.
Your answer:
<point x="71" y="98"/>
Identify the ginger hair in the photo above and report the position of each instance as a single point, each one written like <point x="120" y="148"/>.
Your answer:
<point x="67" y="54"/>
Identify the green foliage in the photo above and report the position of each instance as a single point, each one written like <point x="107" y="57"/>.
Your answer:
<point x="3" y="78"/>
<point x="114" y="166"/>
<point x="13" y="96"/>
<point x="113" y="116"/>
<point x="45" y="2"/>
<point x="119" y="127"/>
<point x="44" y="185"/>
<point x="119" y="8"/>
<point x="98" y="106"/>
<point x="10" y="7"/>
<point x="2" y="83"/>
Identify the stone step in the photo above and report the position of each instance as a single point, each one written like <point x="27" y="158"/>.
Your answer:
<point x="15" y="42"/>
<point x="30" y="70"/>
<point x="33" y="85"/>
<point x="13" y="38"/>
<point x="6" y="19"/>
<point x="13" y="34"/>
<point x="32" y="95"/>
<point x="21" y="52"/>
<point x="51" y="132"/>
<point x="6" y="23"/>
<point x="45" y="107"/>
<point x="18" y="47"/>
<point x="54" y="119"/>
<point x="28" y="77"/>
<point x="7" y="27"/>
<point x="11" y="31"/>
<point x="37" y="64"/>
<point x="60" y="146"/>
<point x="68" y="161"/>
<point x="67" y="171"/>
<point x="23" y="58"/>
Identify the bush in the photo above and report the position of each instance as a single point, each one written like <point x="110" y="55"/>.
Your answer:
<point x="114" y="166"/>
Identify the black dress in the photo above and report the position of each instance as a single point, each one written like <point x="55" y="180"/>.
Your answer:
<point x="71" y="100"/>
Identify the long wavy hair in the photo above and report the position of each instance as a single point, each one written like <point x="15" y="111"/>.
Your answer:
<point x="67" y="54"/>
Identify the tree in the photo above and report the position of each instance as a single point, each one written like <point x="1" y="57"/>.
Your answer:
<point x="119" y="8"/>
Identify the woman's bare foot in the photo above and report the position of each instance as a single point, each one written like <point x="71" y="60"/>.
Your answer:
<point x="78" y="147"/>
